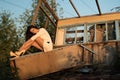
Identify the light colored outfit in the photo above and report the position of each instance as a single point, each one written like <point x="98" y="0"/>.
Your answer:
<point x="47" y="45"/>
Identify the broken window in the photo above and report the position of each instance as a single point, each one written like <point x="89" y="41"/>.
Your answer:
<point x="74" y="35"/>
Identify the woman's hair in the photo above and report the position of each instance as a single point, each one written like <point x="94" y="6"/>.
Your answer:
<point x="28" y="33"/>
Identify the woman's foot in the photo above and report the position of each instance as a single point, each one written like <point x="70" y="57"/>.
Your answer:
<point x="13" y="54"/>
<point x="16" y="54"/>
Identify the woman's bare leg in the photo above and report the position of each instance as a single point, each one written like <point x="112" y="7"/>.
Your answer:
<point x="28" y="44"/>
<point x="23" y="48"/>
<point x="36" y="45"/>
<point x="38" y="42"/>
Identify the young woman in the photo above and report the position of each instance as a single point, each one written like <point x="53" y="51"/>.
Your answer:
<point x="36" y="37"/>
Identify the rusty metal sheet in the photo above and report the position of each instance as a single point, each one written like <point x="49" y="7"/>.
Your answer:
<point x="44" y="63"/>
<point x="39" y="64"/>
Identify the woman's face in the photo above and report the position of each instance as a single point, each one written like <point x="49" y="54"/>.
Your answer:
<point x="34" y="30"/>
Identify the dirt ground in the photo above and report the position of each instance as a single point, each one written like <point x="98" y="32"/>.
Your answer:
<point x="77" y="74"/>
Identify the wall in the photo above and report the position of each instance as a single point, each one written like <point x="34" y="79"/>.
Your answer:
<point x="61" y="58"/>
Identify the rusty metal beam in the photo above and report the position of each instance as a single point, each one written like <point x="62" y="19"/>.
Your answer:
<point x="35" y="14"/>
<point x="48" y="16"/>
<point x="39" y="64"/>
<point x="98" y="7"/>
<point x="74" y="8"/>
<point x="46" y="23"/>
<point x="88" y="49"/>
<point x="51" y="10"/>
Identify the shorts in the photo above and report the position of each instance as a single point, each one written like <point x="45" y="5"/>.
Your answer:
<point x="47" y="46"/>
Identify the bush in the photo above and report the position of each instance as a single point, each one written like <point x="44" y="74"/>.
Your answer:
<point x="6" y="71"/>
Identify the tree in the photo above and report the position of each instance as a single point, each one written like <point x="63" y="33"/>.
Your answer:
<point x="7" y="39"/>
<point x="7" y="32"/>
<point x="116" y="9"/>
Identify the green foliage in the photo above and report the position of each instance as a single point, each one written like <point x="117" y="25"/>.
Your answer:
<point x="6" y="71"/>
<point x="7" y="39"/>
<point x="7" y="31"/>
<point x="116" y="9"/>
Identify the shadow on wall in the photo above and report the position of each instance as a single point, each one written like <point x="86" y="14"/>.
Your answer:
<point x="111" y="55"/>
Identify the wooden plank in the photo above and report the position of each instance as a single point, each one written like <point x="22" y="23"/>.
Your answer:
<point x="88" y="19"/>
<point x="87" y="49"/>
